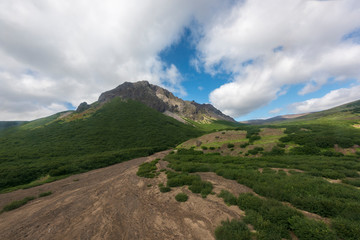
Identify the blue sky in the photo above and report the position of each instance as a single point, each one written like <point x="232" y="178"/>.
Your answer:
<point x="249" y="58"/>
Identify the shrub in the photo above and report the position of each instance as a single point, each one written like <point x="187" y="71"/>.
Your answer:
<point x="202" y="187"/>
<point x="164" y="189"/>
<point x="276" y="151"/>
<point x="181" y="197"/>
<point x="204" y="148"/>
<point x="354" y="182"/>
<point x="148" y="169"/>
<point x="244" y="145"/>
<point x="229" y="198"/>
<point x="44" y="194"/>
<point x="254" y="138"/>
<point x="281" y="145"/>
<point x="230" y="230"/>
<point x="212" y="148"/>
<point x="16" y="204"/>
<point x="310" y="229"/>
<point x="346" y="229"/>
<point x="230" y="145"/>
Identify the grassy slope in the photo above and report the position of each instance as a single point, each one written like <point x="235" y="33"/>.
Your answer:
<point x="314" y="135"/>
<point x="215" y="125"/>
<point x="7" y="124"/>
<point x="116" y="132"/>
<point x="306" y="190"/>
<point x="345" y="115"/>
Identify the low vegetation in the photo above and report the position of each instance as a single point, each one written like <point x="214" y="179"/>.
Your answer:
<point x="148" y="169"/>
<point x="44" y="194"/>
<point x="116" y="132"/>
<point x="181" y="197"/>
<point x="196" y="185"/>
<point x="16" y="204"/>
<point x="230" y="230"/>
<point x="304" y="185"/>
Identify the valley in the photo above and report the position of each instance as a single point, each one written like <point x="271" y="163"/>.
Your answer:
<point x="122" y="169"/>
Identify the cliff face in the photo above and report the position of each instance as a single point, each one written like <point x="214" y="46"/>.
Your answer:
<point x="164" y="101"/>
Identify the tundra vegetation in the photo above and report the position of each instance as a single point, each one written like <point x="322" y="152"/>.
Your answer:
<point x="55" y="147"/>
<point x="299" y="180"/>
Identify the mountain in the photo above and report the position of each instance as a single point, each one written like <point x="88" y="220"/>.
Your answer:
<point x="71" y="142"/>
<point x="274" y="119"/>
<point x="346" y="113"/>
<point x="163" y="101"/>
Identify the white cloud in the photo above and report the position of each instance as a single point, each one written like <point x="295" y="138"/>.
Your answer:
<point x="310" y="35"/>
<point x="275" y="111"/>
<point x="332" y="99"/>
<point x="79" y="49"/>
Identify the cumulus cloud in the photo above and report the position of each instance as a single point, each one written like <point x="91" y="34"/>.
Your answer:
<point x="332" y="99"/>
<point x="267" y="46"/>
<point x="57" y="51"/>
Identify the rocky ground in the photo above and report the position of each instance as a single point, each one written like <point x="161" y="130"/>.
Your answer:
<point x="114" y="203"/>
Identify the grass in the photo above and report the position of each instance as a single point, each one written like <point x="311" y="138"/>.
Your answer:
<point x="307" y="190"/>
<point x="215" y="125"/>
<point x="16" y="204"/>
<point x="181" y="197"/>
<point x="116" y="132"/>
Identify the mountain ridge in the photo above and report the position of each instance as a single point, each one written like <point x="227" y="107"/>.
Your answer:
<point x="163" y="101"/>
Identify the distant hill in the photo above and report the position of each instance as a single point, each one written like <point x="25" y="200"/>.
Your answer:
<point x="348" y="113"/>
<point x="274" y="119"/>
<point x="7" y="124"/>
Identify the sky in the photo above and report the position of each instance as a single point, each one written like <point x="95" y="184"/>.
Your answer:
<point x="249" y="58"/>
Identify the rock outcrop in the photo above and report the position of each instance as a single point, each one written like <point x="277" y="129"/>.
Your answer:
<point x="164" y="101"/>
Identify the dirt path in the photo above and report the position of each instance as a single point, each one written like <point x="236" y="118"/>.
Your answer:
<point x="112" y="203"/>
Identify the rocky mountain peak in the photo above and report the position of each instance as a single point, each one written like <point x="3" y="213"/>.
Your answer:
<point x="164" y="101"/>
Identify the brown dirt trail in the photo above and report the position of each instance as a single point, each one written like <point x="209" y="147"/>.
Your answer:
<point x="112" y="203"/>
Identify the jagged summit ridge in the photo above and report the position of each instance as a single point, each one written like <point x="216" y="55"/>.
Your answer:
<point x="164" y="101"/>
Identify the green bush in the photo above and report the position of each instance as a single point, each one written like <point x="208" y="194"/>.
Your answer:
<point x="204" y="148"/>
<point x="44" y="194"/>
<point x="254" y="138"/>
<point x="229" y="198"/>
<point x="354" y="182"/>
<point x="311" y="229"/>
<point x="212" y="148"/>
<point x="244" y="145"/>
<point x="16" y="204"/>
<point x="230" y="145"/>
<point x="276" y="151"/>
<point x="230" y="230"/>
<point x="164" y="189"/>
<point x="281" y="145"/>
<point x="148" y="169"/>
<point x="346" y="229"/>
<point x="202" y="187"/>
<point x="181" y="197"/>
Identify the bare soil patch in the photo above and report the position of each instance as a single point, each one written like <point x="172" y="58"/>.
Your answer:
<point x="113" y="203"/>
<point x="271" y="132"/>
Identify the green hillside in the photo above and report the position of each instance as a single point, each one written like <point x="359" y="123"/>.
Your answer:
<point x="7" y="124"/>
<point x="345" y="115"/>
<point x="75" y="143"/>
